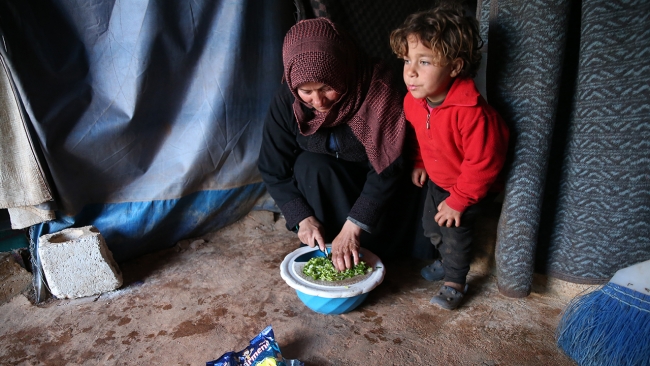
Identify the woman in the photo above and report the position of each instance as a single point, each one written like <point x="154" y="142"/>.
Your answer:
<point x="331" y="154"/>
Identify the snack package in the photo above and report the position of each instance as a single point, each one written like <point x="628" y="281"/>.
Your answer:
<point x="262" y="351"/>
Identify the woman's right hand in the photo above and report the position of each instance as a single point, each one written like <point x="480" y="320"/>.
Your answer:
<point x="310" y="232"/>
<point x="345" y="247"/>
<point x="419" y="177"/>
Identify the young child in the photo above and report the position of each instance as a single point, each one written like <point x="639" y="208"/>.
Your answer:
<point x="462" y="141"/>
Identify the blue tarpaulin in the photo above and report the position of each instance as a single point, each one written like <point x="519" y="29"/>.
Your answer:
<point x="148" y="114"/>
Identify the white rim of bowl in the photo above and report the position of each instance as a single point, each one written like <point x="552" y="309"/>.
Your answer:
<point x="298" y="283"/>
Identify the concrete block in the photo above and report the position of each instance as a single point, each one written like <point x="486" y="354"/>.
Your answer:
<point x="76" y="263"/>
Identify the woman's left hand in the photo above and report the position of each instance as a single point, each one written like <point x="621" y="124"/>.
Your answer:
<point x="345" y="247"/>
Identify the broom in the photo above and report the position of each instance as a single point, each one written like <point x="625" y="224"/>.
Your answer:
<point x="610" y="326"/>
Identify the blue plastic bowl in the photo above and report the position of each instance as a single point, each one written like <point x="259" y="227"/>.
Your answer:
<point x="330" y="300"/>
<point x="333" y="306"/>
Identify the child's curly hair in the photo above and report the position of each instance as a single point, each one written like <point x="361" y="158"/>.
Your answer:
<point x="445" y="30"/>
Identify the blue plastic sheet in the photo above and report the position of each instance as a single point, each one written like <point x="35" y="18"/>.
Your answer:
<point x="148" y="113"/>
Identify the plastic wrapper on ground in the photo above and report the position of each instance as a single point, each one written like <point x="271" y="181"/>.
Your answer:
<point x="262" y="351"/>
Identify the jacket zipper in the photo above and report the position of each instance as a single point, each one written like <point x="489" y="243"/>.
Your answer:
<point x="428" y="115"/>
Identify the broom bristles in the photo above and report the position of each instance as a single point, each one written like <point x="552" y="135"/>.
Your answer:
<point x="610" y="326"/>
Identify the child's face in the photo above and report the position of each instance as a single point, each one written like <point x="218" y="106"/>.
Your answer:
<point x="423" y="74"/>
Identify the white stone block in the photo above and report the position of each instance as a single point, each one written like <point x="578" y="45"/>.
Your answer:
<point x="76" y="263"/>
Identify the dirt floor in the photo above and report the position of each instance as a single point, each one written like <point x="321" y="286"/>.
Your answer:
<point x="210" y="295"/>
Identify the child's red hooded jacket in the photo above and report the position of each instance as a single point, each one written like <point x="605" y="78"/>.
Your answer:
<point x="463" y="147"/>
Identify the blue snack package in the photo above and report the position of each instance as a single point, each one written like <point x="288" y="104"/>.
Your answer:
<point x="262" y="351"/>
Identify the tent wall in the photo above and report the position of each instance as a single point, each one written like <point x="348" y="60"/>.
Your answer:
<point x="148" y="113"/>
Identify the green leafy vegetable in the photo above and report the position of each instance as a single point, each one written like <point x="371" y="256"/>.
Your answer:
<point x="321" y="268"/>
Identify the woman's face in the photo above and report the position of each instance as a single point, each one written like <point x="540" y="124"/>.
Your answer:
<point x="318" y="95"/>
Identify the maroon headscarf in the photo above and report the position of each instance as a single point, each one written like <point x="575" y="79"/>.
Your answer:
<point x="315" y="51"/>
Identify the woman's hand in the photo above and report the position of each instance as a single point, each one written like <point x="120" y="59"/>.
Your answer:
<point x="447" y="216"/>
<point x="345" y="247"/>
<point x="310" y="232"/>
<point x="419" y="177"/>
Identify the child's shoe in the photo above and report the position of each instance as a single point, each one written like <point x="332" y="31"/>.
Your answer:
<point x="433" y="272"/>
<point x="448" y="297"/>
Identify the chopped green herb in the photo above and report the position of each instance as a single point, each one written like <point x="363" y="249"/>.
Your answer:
<point x="321" y="268"/>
